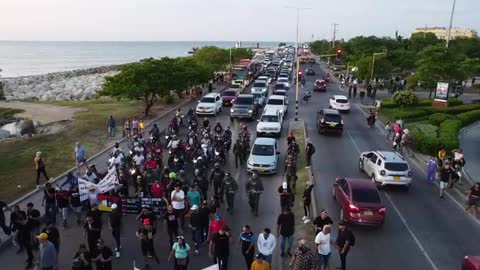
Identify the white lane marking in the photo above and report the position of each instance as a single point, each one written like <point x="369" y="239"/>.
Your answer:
<point x="420" y="246"/>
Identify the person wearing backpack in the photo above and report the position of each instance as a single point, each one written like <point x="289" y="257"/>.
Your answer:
<point x="345" y="240"/>
<point x="309" y="150"/>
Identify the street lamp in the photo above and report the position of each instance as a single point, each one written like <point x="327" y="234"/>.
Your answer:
<point x="451" y="21"/>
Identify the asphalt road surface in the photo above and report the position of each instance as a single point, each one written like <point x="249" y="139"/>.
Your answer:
<point x="421" y="231"/>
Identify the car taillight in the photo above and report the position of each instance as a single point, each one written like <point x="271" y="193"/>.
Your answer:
<point x="353" y="208"/>
<point x="409" y="173"/>
<point x="382" y="172"/>
<point x="381" y="211"/>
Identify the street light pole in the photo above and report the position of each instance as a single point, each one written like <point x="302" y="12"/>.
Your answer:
<point x="450" y="26"/>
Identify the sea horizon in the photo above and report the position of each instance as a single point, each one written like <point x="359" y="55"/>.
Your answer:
<point x="26" y="58"/>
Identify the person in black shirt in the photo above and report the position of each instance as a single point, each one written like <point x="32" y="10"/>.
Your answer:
<point x="285" y="230"/>
<point x="17" y="218"/>
<point x="307" y="201"/>
<point x="321" y="221"/>
<point x="115" y="222"/>
<point x="247" y="241"/>
<point x="92" y="229"/>
<point x="75" y="203"/>
<point x="204" y="213"/>
<point x="5" y="228"/>
<point x="23" y="237"/>
<point x="147" y="214"/>
<point x="445" y="175"/>
<point x="146" y="234"/>
<point x="343" y="242"/>
<point x="219" y="248"/>
<point x="33" y="223"/>
<point x="196" y="222"/>
<point x="103" y="256"/>
<point x="63" y="199"/>
<point x="286" y="195"/>
<point x="171" y="222"/>
<point x="49" y="203"/>
<point x="82" y="259"/>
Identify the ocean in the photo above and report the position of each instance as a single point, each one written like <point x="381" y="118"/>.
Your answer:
<point x="22" y="58"/>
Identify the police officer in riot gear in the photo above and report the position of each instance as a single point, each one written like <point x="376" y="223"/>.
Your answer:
<point x="254" y="188"/>
<point x="230" y="188"/>
<point x="216" y="178"/>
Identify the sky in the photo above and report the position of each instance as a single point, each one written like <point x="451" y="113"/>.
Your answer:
<point x="224" y="20"/>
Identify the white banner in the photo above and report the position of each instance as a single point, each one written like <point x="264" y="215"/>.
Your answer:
<point x="213" y="267"/>
<point x="83" y="189"/>
<point x="108" y="182"/>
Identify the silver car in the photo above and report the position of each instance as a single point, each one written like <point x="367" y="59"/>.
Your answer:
<point x="264" y="156"/>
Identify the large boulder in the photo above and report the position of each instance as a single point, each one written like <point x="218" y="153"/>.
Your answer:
<point x="27" y="126"/>
<point x="4" y="134"/>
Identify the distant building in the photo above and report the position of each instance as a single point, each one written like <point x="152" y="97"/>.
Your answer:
<point x="441" y="32"/>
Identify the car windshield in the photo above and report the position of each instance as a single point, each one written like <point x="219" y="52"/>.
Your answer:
<point x="280" y="86"/>
<point x="229" y="93"/>
<point x="235" y="86"/>
<point x="259" y="84"/>
<point x="365" y="195"/>
<point x="333" y="118"/>
<point x="280" y="93"/>
<point x="207" y="100"/>
<point x="341" y="100"/>
<point x="396" y="166"/>
<point x="283" y="79"/>
<point x="244" y="100"/>
<point x="262" y="150"/>
<point x="275" y="102"/>
<point x="269" y="118"/>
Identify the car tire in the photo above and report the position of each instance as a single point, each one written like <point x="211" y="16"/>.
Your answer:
<point x="360" y="166"/>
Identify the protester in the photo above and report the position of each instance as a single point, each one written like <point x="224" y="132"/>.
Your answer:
<point x="49" y="203"/>
<point x="92" y="229"/>
<point x="307" y="200"/>
<point x="431" y="170"/>
<point x="388" y="130"/>
<point x="204" y="213"/>
<point x="76" y="204"/>
<point x="141" y="126"/>
<point x="322" y="220"/>
<point x="111" y="126"/>
<point x="322" y="242"/>
<point x="23" y="237"/>
<point x="260" y="263"/>
<point x="180" y="252"/>
<point x="304" y="258"/>
<point x="285" y="230"/>
<point x="102" y="256"/>
<point x="266" y="243"/>
<point x="63" y="198"/>
<point x="17" y="219"/>
<point x="40" y="167"/>
<point x="445" y="174"/>
<point x="172" y="224"/>
<point x="247" y="242"/>
<point x="82" y="259"/>
<point x="194" y="196"/>
<point x="215" y="225"/>
<point x="178" y="203"/>
<point x="33" y="221"/>
<point x="135" y="126"/>
<point x="48" y="256"/>
<point x="127" y="128"/>
<point x="345" y="240"/>
<point x="219" y="248"/>
<point x="53" y="235"/>
<point x="80" y="157"/>
<point x="309" y="151"/>
<point x="286" y="195"/>
<point x="196" y="225"/>
<point x="146" y="234"/>
<point x="115" y="222"/>
<point x="473" y="199"/>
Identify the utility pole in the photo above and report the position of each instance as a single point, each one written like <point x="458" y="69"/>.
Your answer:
<point x="334" y="34"/>
<point x="451" y="21"/>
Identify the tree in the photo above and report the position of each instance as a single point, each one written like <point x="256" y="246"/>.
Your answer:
<point x="151" y="79"/>
<point x="381" y="68"/>
<point x="420" y="41"/>
<point x="241" y="53"/>
<point x="213" y="56"/>
<point x="402" y="58"/>
<point x="469" y="67"/>
<point x="281" y="44"/>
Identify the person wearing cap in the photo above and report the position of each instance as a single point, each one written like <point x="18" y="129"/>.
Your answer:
<point x="216" y="225"/>
<point x="286" y="195"/>
<point x="180" y="252"/>
<point x="172" y="223"/>
<point x="285" y="230"/>
<point x="266" y="244"/>
<point x="146" y="234"/>
<point x="115" y="222"/>
<point x="216" y="177"/>
<point x="247" y="241"/>
<point x="196" y="224"/>
<point x="304" y="258"/>
<point x="309" y="151"/>
<point x="230" y="188"/>
<point x="48" y="255"/>
<point x="322" y="220"/>
<point x="219" y="247"/>
<point x="102" y="256"/>
<point x="40" y="167"/>
<point x="343" y="243"/>
<point x="260" y="263"/>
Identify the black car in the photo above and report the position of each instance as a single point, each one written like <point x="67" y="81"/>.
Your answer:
<point x="329" y="120"/>
<point x="310" y="71"/>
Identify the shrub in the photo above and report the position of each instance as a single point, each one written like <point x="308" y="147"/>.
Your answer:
<point x="447" y="135"/>
<point x="437" y="118"/>
<point x="404" y="98"/>
<point x="424" y="127"/>
<point x="454" y="102"/>
<point x="412" y="113"/>
<point x="169" y="99"/>
<point x="424" y="143"/>
<point x="453" y="110"/>
<point x="470" y="117"/>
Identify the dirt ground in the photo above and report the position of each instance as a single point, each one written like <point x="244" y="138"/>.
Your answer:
<point x="43" y="113"/>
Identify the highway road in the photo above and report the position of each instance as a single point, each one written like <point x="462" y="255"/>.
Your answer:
<point x="421" y="230"/>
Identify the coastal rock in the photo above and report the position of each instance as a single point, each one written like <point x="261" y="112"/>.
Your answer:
<point x="4" y="134"/>
<point x="70" y="85"/>
<point x="26" y="126"/>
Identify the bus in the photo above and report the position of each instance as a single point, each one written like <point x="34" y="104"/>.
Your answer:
<point x="245" y="70"/>
<point x="269" y="55"/>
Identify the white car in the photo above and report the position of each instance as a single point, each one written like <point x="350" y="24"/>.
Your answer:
<point x="270" y="123"/>
<point x="265" y="78"/>
<point x="285" y="81"/>
<point x="264" y="156"/>
<point x="210" y="104"/>
<point x="339" y="103"/>
<point x="279" y="103"/>
<point x="259" y="86"/>
<point x="386" y="168"/>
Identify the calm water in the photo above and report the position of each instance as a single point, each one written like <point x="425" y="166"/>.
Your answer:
<point x="20" y="58"/>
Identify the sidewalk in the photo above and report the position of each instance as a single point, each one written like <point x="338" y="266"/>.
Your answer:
<point x="98" y="159"/>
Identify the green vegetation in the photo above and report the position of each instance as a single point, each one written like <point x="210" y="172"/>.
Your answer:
<point x="432" y="126"/>
<point x="422" y="53"/>
<point x="8" y="112"/>
<point x="89" y="127"/>
<point x="404" y="98"/>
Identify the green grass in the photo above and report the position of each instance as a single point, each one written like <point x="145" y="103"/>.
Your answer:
<point x="88" y="127"/>
<point x="9" y="112"/>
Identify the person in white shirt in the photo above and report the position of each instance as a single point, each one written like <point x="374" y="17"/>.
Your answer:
<point x="178" y="203"/>
<point x="138" y="159"/>
<point x="266" y="243"/>
<point x="322" y="242"/>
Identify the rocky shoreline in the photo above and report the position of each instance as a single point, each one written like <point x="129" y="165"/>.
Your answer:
<point x="79" y="84"/>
